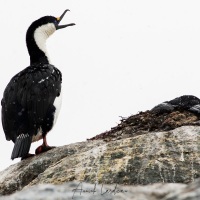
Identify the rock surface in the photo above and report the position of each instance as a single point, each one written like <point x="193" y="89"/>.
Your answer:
<point x="171" y="156"/>
<point x="156" y="146"/>
<point x="72" y="190"/>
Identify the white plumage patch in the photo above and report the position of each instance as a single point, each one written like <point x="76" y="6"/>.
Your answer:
<point x="22" y="136"/>
<point x="41" y="34"/>
<point x="57" y="103"/>
<point x="38" y="136"/>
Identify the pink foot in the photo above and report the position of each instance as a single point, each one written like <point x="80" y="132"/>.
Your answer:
<point x="42" y="149"/>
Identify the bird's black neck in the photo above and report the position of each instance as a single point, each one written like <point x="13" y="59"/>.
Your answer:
<point x="36" y="55"/>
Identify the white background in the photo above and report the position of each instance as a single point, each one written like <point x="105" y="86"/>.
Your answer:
<point x="121" y="57"/>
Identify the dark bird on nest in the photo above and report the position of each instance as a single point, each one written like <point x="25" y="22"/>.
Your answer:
<point x="32" y="99"/>
<point x="185" y="102"/>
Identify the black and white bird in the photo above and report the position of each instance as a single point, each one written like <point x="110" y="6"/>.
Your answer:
<point x="32" y="99"/>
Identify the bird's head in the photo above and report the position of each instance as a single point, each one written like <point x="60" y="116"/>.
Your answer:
<point x="39" y="31"/>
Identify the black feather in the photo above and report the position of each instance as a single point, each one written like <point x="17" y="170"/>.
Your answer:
<point x="28" y="100"/>
<point x="22" y="146"/>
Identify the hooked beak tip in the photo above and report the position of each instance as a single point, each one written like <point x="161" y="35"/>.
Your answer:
<point x="60" y="18"/>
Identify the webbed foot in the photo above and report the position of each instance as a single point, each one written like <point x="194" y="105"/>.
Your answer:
<point x="43" y="148"/>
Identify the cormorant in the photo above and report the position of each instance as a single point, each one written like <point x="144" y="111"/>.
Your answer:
<point x="32" y="98"/>
<point x="185" y="102"/>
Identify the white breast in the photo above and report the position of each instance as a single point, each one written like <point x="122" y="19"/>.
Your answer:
<point x="57" y="103"/>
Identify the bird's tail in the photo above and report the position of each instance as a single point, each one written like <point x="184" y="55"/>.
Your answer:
<point x="22" y="146"/>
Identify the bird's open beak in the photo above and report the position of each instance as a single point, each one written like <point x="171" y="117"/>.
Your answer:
<point x="60" y="18"/>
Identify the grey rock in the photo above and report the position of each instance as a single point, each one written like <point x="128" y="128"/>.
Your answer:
<point x="190" y="192"/>
<point x="86" y="191"/>
<point x="19" y="175"/>
<point x="152" y="155"/>
<point x="165" y="157"/>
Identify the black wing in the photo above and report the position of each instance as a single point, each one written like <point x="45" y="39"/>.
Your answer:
<point x="26" y="101"/>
